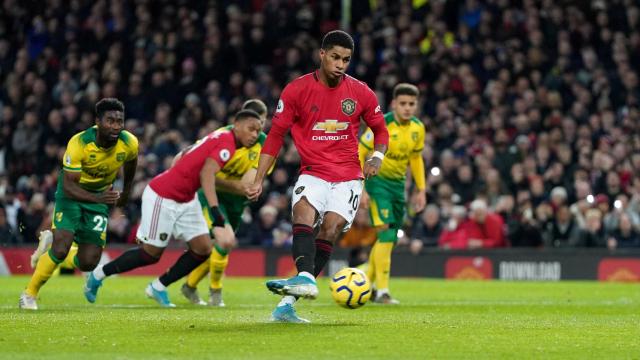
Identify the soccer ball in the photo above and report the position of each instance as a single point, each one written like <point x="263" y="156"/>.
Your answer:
<point x="350" y="288"/>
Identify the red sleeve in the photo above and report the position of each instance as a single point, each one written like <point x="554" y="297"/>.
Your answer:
<point x="224" y="148"/>
<point x="281" y="122"/>
<point x="494" y="231"/>
<point x="455" y="239"/>
<point x="372" y="115"/>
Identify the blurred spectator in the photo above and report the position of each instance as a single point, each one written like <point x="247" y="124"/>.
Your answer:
<point x="483" y="229"/>
<point x="525" y="229"/>
<point x="454" y="235"/>
<point x="592" y="235"/>
<point x="625" y="236"/>
<point x="559" y="197"/>
<point x="32" y="219"/>
<point x="282" y="235"/>
<point x="562" y="230"/>
<point x="7" y="236"/>
<point x="426" y="230"/>
<point x="261" y="232"/>
<point x="26" y="141"/>
<point x="464" y="184"/>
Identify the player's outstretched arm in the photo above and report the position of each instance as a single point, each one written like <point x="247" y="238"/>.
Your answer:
<point x="363" y="150"/>
<point x="208" y="184"/>
<point x="372" y="166"/>
<point x="238" y="187"/>
<point x="208" y="181"/>
<point x="419" y="197"/>
<point x="129" y="169"/>
<point x="375" y="121"/>
<point x="264" y="164"/>
<point x="72" y="190"/>
<point x="230" y="186"/>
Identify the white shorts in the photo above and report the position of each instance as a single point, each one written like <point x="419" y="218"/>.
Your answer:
<point x="163" y="218"/>
<point x="342" y="198"/>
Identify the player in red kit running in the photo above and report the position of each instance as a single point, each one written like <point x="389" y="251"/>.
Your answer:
<point x="170" y="207"/>
<point x="323" y="110"/>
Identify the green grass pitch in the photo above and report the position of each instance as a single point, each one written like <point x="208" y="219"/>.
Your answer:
<point x="436" y="320"/>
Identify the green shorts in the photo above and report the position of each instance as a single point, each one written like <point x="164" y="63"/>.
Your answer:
<point x="87" y="221"/>
<point x="231" y="206"/>
<point x="387" y="204"/>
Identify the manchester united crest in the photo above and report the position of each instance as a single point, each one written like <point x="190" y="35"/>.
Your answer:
<point x="348" y="106"/>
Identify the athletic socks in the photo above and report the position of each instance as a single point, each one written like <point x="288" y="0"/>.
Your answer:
<point x="158" y="285"/>
<point x="287" y="300"/>
<point x="307" y="275"/>
<point x="129" y="260"/>
<point x="183" y="266"/>
<point x="198" y="274"/>
<point x="47" y="264"/>
<point x="303" y="248"/>
<point x="303" y="252"/>
<point x="98" y="272"/>
<point x="383" y="264"/>
<point x="218" y="262"/>
<point x="371" y="268"/>
<point x="71" y="261"/>
<point x="324" y="249"/>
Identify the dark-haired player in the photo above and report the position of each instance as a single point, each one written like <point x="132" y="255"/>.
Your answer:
<point x="170" y="207"/>
<point x="231" y="182"/>
<point x="90" y="165"/>
<point x="385" y="192"/>
<point x="323" y="110"/>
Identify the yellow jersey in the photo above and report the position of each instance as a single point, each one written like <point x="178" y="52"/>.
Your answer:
<point x="98" y="166"/>
<point x="405" y="141"/>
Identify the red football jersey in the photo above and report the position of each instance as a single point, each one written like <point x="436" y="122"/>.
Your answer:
<point x="182" y="180"/>
<point x="324" y="125"/>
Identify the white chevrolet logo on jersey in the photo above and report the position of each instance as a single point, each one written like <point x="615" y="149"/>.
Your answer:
<point x="331" y="126"/>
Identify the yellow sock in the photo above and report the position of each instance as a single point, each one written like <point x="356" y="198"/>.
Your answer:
<point x="70" y="261"/>
<point x="218" y="264"/>
<point x="371" y="269"/>
<point x="45" y="267"/>
<point x="383" y="264"/>
<point x="198" y="274"/>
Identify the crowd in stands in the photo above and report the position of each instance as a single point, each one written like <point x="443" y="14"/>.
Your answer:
<point x="532" y="108"/>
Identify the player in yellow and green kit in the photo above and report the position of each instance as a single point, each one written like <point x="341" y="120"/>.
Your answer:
<point x="230" y="182"/>
<point x="90" y="165"/>
<point x="385" y="192"/>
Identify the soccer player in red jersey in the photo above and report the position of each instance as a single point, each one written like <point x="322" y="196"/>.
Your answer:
<point x="170" y="207"/>
<point x="323" y="110"/>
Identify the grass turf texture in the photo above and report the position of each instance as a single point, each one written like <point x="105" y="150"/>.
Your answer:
<point x="437" y="319"/>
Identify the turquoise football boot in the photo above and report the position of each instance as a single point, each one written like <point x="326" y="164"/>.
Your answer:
<point x="91" y="288"/>
<point x="287" y="314"/>
<point x="161" y="297"/>
<point x="298" y="286"/>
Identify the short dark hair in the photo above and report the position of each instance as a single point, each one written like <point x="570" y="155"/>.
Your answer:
<point x="108" y="104"/>
<point x="337" y="38"/>
<point x="256" y="105"/>
<point x="247" y="114"/>
<point x="405" y="89"/>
